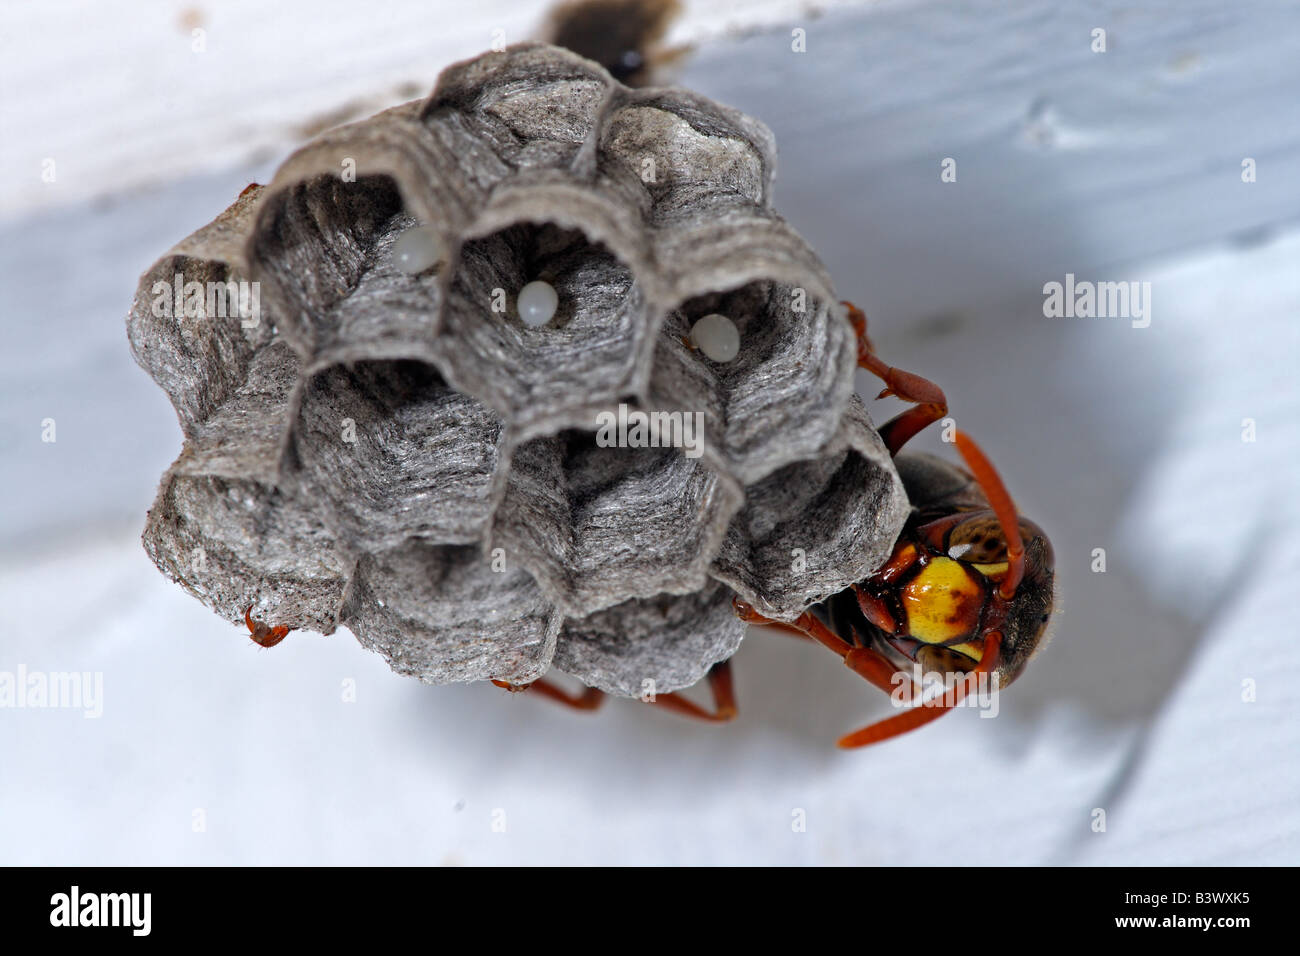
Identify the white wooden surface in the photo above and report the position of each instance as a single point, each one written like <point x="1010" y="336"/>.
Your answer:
<point x="121" y="93"/>
<point x="1123" y="165"/>
<point x="1067" y="160"/>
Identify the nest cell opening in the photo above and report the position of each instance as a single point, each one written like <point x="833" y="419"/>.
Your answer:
<point x="584" y="354"/>
<point x="328" y="248"/>
<point x="771" y="318"/>
<point x="189" y="333"/>
<point x="780" y="383"/>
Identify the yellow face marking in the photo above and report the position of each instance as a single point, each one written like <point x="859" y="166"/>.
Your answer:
<point x="942" y="602"/>
<point x="990" y="569"/>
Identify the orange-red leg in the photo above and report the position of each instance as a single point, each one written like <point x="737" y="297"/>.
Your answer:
<point x="807" y="622"/>
<point x="920" y="715"/>
<point x="724" y="697"/>
<point x="879" y="671"/>
<point x="589" y="699"/>
<point x="262" y="633"/>
<point x="931" y="403"/>
<point x="720" y="684"/>
<point x="865" y="661"/>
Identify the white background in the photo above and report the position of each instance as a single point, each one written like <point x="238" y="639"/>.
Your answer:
<point x="1115" y="166"/>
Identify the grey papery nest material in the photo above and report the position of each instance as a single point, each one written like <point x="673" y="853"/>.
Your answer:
<point x="386" y="451"/>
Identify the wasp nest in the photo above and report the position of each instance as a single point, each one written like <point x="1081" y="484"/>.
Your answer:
<point x="467" y="408"/>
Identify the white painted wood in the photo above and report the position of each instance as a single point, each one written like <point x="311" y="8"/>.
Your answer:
<point x="1123" y="165"/>
<point x="1067" y="160"/>
<point x="122" y="93"/>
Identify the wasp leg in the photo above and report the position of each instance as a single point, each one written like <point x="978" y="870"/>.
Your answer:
<point x="864" y="661"/>
<point x="876" y="669"/>
<point x="806" y="624"/>
<point x="724" y="697"/>
<point x="931" y="403"/>
<point x="920" y="715"/>
<point x="589" y="699"/>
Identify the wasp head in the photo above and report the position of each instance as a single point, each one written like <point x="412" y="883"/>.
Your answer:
<point x="974" y="570"/>
<point x="967" y="588"/>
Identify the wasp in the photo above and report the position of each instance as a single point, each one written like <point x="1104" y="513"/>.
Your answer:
<point x="623" y="36"/>
<point x="967" y="592"/>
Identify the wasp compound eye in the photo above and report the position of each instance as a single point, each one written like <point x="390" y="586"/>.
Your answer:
<point x="978" y="541"/>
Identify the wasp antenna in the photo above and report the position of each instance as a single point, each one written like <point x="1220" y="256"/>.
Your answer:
<point x="1003" y="507"/>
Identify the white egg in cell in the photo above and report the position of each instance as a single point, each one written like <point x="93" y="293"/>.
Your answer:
<point x="717" y="337"/>
<point x="417" y="249"/>
<point x="537" y="303"/>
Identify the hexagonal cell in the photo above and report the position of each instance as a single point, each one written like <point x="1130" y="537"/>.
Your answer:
<point x="325" y="247"/>
<point x="815" y="527"/>
<point x="728" y="247"/>
<point x="597" y="526"/>
<point x="389" y="451"/>
<point x="781" y="398"/>
<point x="668" y="640"/>
<point x="529" y="106"/>
<point x="187" y="326"/>
<point x="688" y="149"/>
<point x="244" y="438"/>
<point x="437" y="184"/>
<point x="222" y="527"/>
<point x="443" y="614"/>
<point x="585" y="355"/>
<point x="233" y="542"/>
